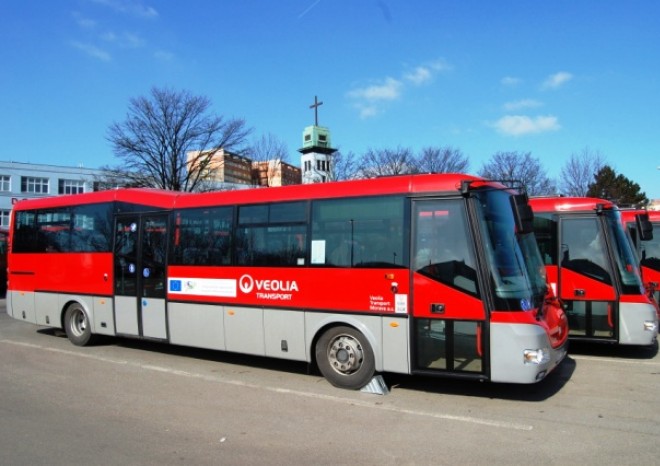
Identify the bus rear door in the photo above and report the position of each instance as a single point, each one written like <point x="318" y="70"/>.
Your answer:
<point x="140" y="275"/>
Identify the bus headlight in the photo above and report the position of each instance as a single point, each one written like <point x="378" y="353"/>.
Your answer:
<point x="536" y="356"/>
<point x="650" y="325"/>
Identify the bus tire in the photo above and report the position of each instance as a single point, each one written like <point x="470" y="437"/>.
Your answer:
<point x="77" y="325"/>
<point x="345" y="357"/>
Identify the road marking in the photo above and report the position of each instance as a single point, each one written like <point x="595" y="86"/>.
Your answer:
<point x="332" y="398"/>
<point x="622" y="361"/>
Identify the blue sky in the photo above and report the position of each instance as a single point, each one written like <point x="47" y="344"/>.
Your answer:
<point x="550" y="77"/>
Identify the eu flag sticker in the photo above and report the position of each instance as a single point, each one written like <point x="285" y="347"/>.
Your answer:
<point x="175" y="285"/>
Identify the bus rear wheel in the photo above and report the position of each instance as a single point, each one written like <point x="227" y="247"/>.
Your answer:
<point x="77" y="325"/>
<point x="345" y="357"/>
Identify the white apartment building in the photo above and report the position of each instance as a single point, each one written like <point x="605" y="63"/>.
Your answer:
<point x="20" y="180"/>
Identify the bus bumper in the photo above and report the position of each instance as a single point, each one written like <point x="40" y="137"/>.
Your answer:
<point x="638" y="324"/>
<point x="522" y="353"/>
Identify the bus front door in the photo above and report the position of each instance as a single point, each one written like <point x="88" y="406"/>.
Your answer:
<point x="449" y="315"/>
<point x="140" y="275"/>
<point x="585" y="280"/>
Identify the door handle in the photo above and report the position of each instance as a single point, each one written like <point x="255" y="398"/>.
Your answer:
<point x="579" y="292"/>
<point x="437" y="308"/>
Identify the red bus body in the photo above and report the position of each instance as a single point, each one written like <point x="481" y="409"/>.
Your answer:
<point x="648" y="251"/>
<point x="337" y="274"/>
<point x="3" y="262"/>
<point x="593" y="270"/>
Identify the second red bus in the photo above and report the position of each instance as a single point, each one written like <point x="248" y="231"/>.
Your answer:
<point x="594" y="271"/>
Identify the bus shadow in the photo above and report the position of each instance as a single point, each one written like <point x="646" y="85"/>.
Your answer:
<point x="613" y="351"/>
<point x="202" y="354"/>
<point x="536" y="392"/>
<point x="210" y="355"/>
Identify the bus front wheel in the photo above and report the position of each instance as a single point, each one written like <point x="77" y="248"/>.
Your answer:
<point x="345" y="358"/>
<point x="77" y="325"/>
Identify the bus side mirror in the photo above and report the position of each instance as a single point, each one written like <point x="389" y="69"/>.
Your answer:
<point x="644" y="227"/>
<point x="523" y="215"/>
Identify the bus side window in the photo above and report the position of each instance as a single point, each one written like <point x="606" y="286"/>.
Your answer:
<point x="651" y="249"/>
<point x="202" y="236"/>
<point x="272" y="234"/>
<point x="359" y="232"/>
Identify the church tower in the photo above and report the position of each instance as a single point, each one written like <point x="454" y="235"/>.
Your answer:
<point x="316" y="159"/>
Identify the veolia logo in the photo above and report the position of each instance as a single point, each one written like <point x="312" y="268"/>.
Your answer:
<point x="246" y="283"/>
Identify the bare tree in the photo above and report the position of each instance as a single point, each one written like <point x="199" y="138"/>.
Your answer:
<point x="343" y="166"/>
<point x="269" y="147"/>
<point x="579" y="172"/>
<point x="269" y="151"/>
<point x="168" y="140"/>
<point x="511" y="167"/>
<point x="383" y="162"/>
<point x="442" y="160"/>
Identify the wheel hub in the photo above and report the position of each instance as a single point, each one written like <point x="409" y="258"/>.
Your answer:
<point x="79" y="323"/>
<point x="345" y="354"/>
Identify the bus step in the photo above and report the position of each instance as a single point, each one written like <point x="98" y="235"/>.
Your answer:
<point x="376" y="386"/>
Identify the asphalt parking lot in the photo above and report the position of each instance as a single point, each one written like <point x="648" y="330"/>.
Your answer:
<point x="134" y="402"/>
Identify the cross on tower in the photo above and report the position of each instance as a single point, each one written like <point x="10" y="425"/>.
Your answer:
<point x="315" y="106"/>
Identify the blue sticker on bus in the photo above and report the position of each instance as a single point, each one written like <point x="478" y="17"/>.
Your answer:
<point x="175" y="285"/>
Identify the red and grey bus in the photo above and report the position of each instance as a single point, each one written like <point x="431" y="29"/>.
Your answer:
<point x="424" y="274"/>
<point x="594" y="271"/>
<point x="3" y="262"/>
<point x="644" y="229"/>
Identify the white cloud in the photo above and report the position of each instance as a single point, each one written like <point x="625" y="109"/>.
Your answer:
<point x="424" y="73"/>
<point x="419" y="76"/>
<point x="84" y="22"/>
<point x="519" y="125"/>
<point x="510" y="81"/>
<point x="126" y="40"/>
<point x="369" y="100"/>
<point x="522" y="104"/>
<point x="92" y="51"/>
<point x="131" y="40"/>
<point x="163" y="55"/>
<point x="390" y="89"/>
<point x="557" y="80"/>
<point x="367" y="111"/>
<point x="130" y="7"/>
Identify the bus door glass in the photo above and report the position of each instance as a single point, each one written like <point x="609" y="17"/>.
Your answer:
<point x="649" y="254"/>
<point x="585" y="279"/>
<point x="140" y="266"/>
<point x="447" y="309"/>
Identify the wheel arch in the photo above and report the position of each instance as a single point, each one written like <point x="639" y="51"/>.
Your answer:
<point x="369" y="326"/>
<point x="68" y="301"/>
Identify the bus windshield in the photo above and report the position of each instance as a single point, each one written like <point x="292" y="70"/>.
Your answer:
<point x="625" y="258"/>
<point x="514" y="261"/>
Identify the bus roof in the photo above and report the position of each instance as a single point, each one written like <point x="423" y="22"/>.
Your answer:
<point x="157" y="198"/>
<point x="424" y="183"/>
<point x="628" y="215"/>
<point x="403" y="184"/>
<point x="654" y="215"/>
<point x="569" y="204"/>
